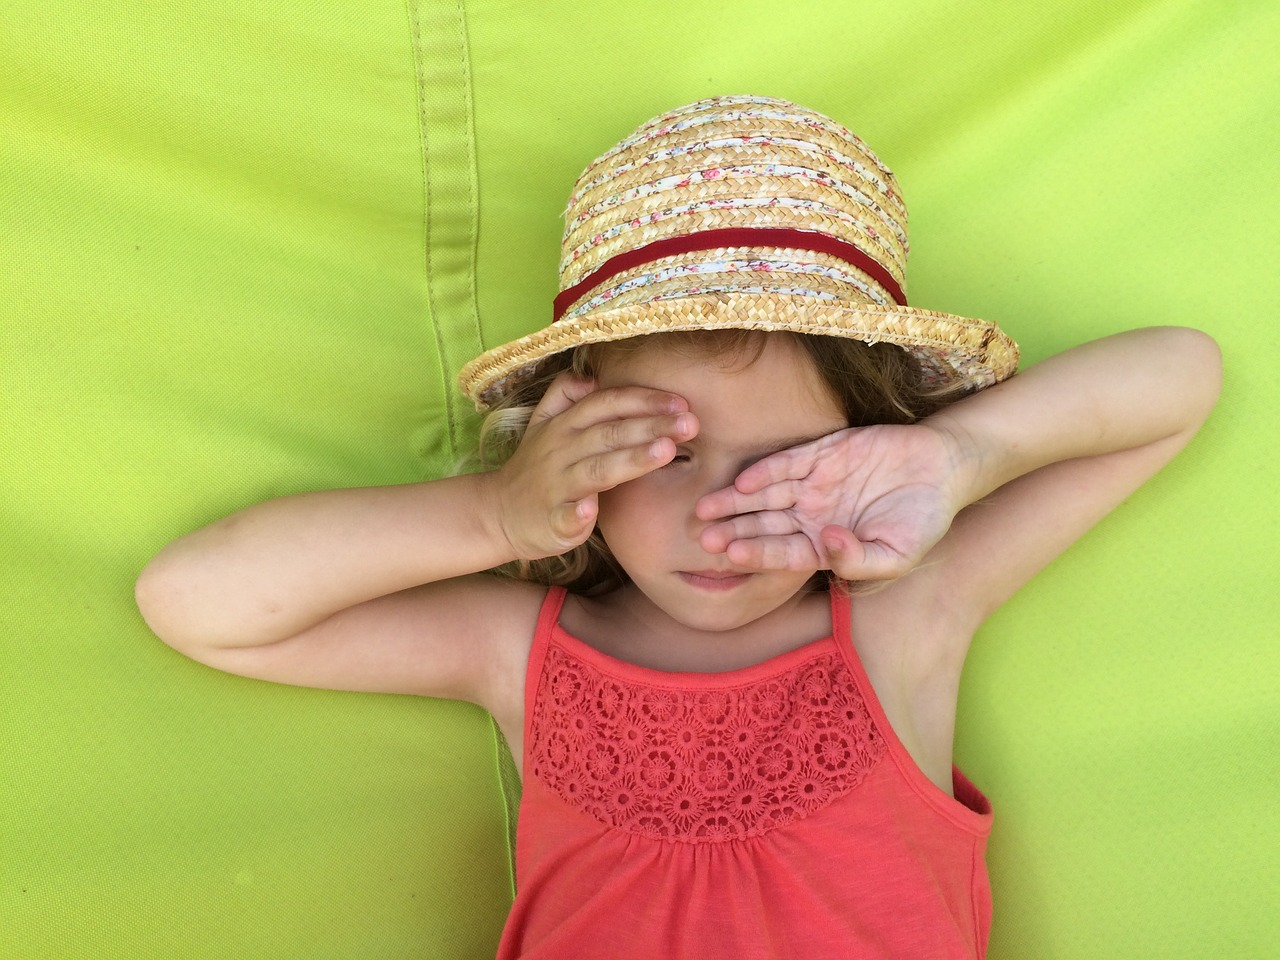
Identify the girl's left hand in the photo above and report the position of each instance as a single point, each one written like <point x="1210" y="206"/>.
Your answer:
<point x="868" y="503"/>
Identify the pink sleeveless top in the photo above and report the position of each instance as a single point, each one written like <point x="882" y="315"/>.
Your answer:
<point x="765" y="812"/>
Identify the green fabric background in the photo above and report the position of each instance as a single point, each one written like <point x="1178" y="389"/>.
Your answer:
<point x="244" y="247"/>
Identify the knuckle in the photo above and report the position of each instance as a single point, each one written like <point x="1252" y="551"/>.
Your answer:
<point x="770" y="554"/>
<point x="595" y="471"/>
<point x="614" y="434"/>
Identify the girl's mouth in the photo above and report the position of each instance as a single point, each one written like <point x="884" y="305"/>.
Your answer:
<point x="714" y="579"/>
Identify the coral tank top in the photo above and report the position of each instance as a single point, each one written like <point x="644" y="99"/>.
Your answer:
<point x="766" y="812"/>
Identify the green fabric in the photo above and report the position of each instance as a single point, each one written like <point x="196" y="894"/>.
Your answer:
<point x="244" y="247"/>
<point x="215" y="290"/>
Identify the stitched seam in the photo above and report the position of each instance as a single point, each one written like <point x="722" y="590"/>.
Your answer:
<point x="473" y="174"/>
<point x="509" y="788"/>
<point x="447" y="128"/>
<point x="433" y="313"/>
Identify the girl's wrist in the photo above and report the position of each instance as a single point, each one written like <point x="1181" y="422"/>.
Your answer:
<point x="966" y="461"/>
<point x="493" y="507"/>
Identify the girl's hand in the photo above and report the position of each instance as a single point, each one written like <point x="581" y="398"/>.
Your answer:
<point x="868" y="503"/>
<point x="580" y="441"/>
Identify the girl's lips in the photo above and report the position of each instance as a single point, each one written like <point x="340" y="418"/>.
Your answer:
<point x="714" y="579"/>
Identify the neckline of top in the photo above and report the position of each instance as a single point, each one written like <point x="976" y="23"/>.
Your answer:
<point x="739" y="676"/>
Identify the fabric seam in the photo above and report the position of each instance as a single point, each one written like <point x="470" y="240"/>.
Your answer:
<point x="451" y="287"/>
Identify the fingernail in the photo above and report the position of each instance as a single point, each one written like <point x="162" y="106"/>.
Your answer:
<point x="832" y="546"/>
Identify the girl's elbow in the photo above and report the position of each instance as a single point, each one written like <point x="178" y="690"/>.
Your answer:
<point x="1200" y="346"/>
<point x="1194" y="359"/>
<point x="151" y="594"/>
<point x="159" y="596"/>
<point x="1206" y="356"/>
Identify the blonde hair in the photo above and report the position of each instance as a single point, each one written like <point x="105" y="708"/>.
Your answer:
<point x="872" y="383"/>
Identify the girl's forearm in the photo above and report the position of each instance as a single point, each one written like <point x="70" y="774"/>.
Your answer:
<point x="1147" y="386"/>
<point x="277" y="568"/>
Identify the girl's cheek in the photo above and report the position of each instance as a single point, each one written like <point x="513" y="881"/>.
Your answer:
<point x="643" y="500"/>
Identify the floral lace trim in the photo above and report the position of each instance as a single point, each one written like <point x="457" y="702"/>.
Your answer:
<point x="701" y="765"/>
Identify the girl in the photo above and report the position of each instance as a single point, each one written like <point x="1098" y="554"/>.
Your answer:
<point x="727" y="750"/>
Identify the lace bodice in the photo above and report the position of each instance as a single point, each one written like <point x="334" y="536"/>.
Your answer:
<point x="765" y="813"/>
<point x="724" y="759"/>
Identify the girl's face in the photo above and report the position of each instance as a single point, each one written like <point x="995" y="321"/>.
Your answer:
<point x="746" y="409"/>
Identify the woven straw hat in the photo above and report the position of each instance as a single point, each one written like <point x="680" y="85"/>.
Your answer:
<point x="742" y="212"/>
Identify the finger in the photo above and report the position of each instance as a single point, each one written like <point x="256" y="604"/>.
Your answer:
<point x="717" y="537"/>
<point x="792" y="552"/>
<point x="621" y="403"/>
<point x="730" y="501"/>
<point x="572" y="522"/>
<point x="794" y="463"/>
<point x="852" y="559"/>
<point x="636" y="432"/>
<point x="608" y="469"/>
<point x="565" y="392"/>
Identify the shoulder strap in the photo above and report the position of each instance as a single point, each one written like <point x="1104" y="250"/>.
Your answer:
<point x="548" y="616"/>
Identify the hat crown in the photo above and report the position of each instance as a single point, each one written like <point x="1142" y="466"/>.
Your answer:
<point x="754" y="163"/>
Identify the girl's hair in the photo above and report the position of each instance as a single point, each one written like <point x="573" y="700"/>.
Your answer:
<point x="873" y="383"/>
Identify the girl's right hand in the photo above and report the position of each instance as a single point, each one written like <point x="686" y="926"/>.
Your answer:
<point x="582" y="440"/>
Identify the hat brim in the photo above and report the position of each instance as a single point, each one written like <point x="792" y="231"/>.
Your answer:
<point x="969" y="354"/>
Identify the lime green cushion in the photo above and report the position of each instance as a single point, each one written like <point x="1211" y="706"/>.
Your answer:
<point x="244" y="248"/>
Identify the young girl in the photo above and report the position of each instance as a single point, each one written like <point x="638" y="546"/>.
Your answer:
<point x="728" y="751"/>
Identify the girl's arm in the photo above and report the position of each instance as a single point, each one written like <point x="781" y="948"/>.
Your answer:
<point x="274" y="569"/>
<point x="365" y="589"/>
<point x="1049" y="452"/>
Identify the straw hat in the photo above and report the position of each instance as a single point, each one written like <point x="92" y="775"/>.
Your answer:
<point x="742" y="212"/>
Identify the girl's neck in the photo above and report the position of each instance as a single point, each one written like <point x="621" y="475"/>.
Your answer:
<point x="627" y="625"/>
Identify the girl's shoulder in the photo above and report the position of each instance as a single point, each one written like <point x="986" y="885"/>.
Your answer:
<point x="467" y="638"/>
